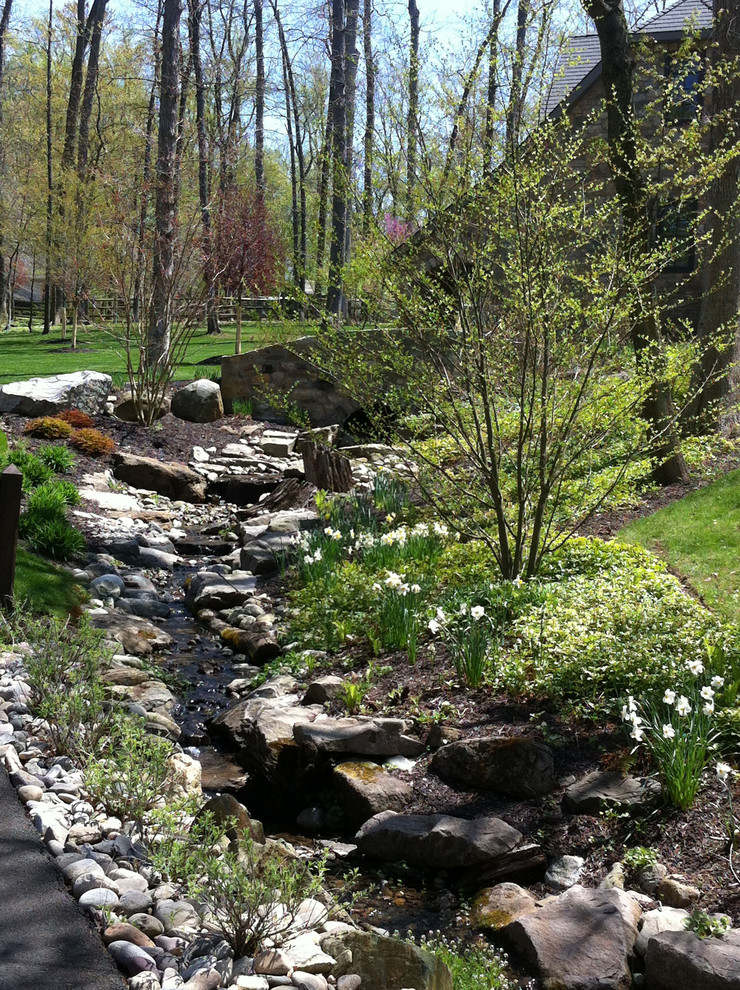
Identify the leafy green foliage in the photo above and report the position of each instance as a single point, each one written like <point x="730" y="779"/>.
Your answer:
<point x="59" y="459"/>
<point x="704" y="925"/>
<point x="45" y="525"/>
<point x="42" y="588"/>
<point x="477" y="966"/>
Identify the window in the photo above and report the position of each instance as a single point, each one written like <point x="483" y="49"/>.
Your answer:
<point x="674" y="229"/>
<point x="684" y="98"/>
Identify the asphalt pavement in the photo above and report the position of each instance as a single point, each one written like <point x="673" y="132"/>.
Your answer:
<point x="46" y="940"/>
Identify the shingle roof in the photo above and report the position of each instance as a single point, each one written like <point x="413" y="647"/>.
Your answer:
<point x="580" y="59"/>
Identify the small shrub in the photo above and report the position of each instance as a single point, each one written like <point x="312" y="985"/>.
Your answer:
<point x="59" y="459"/>
<point x="34" y="471"/>
<point x="252" y="892"/>
<point x="639" y="858"/>
<point x="471" y="640"/>
<point x="45" y="525"/>
<point x="704" y="925"/>
<point x="398" y="613"/>
<point x="93" y="442"/>
<point x="76" y="418"/>
<point x="58" y="539"/>
<point x="48" y="428"/>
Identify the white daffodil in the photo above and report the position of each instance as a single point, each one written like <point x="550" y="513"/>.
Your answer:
<point x="637" y="733"/>
<point x="463" y="609"/>
<point x="415" y="589"/>
<point x="696" y="667"/>
<point x="707" y="693"/>
<point x="517" y="582"/>
<point x="668" y="731"/>
<point x="477" y="612"/>
<point x="708" y="707"/>
<point x="723" y="772"/>
<point x="669" y="697"/>
<point x="440" y="615"/>
<point x="434" y="626"/>
<point x="718" y="682"/>
<point x="684" y="705"/>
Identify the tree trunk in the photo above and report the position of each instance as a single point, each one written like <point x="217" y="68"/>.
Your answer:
<point x="631" y="188"/>
<point x="259" y="104"/>
<point x="489" y="130"/>
<point x="95" y="29"/>
<point x="335" y="299"/>
<point x="412" y="121"/>
<point x="238" y="344"/>
<point x="48" y="287"/>
<point x="367" y="44"/>
<point x="195" y="14"/>
<point x="4" y="21"/>
<point x="139" y="305"/>
<point x="165" y="233"/>
<point x="323" y="200"/>
<point x="720" y="301"/>
<point x="516" y="96"/>
<point x="352" y="57"/>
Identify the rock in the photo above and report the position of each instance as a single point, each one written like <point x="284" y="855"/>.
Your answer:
<point x="98" y="898"/>
<point x="183" y="779"/>
<point x="277" y="444"/>
<point x="263" y="733"/>
<point x="308" y="981"/>
<point x="598" y="790"/>
<point x="659" y="920"/>
<point x="364" y="789"/>
<point x="581" y="940"/>
<point x="496" y="907"/>
<point x="436" y="840"/>
<point x="255" y="982"/>
<point x="137" y="636"/>
<point x="564" y="871"/>
<point x="144" y="981"/>
<point x="84" y="390"/>
<point x="675" y="894"/>
<point x="385" y="962"/>
<point x="243" y="489"/>
<point x="349" y="982"/>
<point x="198" y="402"/>
<point x="307" y="956"/>
<point x="208" y="980"/>
<point x="127" y="409"/>
<point x="614" y="878"/>
<point x="176" y="481"/>
<point x="678" y="960"/>
<point x="364" y="736"/>
<point x="148" y="924"/>
<point x="107" y="586"/>
<point x="273" y="962"/>
<point x="226" y="808"/>
<point x="176" y="914"/>
<point x="80" y="867"/>
<point x="323" y="689"/>
<point x="210" y="590"/>
<point x="511" y="765"/>
<point x="131" y="959"/>
<point x="134" y="902"/>
<point x="91" y="881"/>
<point x="29" y="792"/>
<point x="649" y="876"/>
<point x="122" y="932"/>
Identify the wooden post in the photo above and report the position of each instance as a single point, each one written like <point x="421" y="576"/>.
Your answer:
<point x="11" y="480"/>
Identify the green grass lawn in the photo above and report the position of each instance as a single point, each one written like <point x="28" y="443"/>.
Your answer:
<point x="28" y="355"/>
<point x="42" y="587"/>
<point x="699" y="538"/>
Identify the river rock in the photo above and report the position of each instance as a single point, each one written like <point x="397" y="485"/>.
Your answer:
<point x="599" y="790"/>
<point x="84" y="390"/>
<point x="679" y="960"/>
<point x="137" y="636"/>
<point x="308" y="981"/>
<point x="175" y="915"/>
<point x="564" y="872"/>
<point x="307" y="955"/>
<point x="511" y="765"/>
<point x="131" y="959"/>
<point x="225" y="808"/>
<point x="437" y="840"/>
<point x="323" y="689"/>
<point x="364" y="789"/>
<point x="362" y="735"/>
<point x="385" y="962"/>
<point x="176" y="481"/>
<point x="98" y="898"/>
<point x="127" y="409"/>
<point x="198" y="402"/>
<point x="211" y="590"/>
<point x="496" y="907"/>
<point x="676" y="894"/>
<point x="581" y="940"/>
<point x="107" y="586"/>
<point x="122" y="932"/>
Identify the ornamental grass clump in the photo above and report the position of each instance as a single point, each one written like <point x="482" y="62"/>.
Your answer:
<point x="472" y="641"/>
<point x="679" y="732"/>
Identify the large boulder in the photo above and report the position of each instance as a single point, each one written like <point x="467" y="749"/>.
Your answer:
<point x="385" y="962"/>
<point x="176" y="481"/>
<point x="581" y="940"/>
<point x="136" y="635"/>
<point x="681" y="961"/>
<point x="198" y="402"/>
<point x="209" y="589"/>
<point x="365" y="789"/>
<point x="84" y="390"/>
<point x="363" y="736"/>
<point x="496" y="907"/>
<point x="127" y="408"/>
<point x="511" y="765"/>
<point x="599" y="790"/>
<point x="437" y="841"/>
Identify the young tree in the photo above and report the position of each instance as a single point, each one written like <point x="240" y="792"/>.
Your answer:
<point x="165" y="235"/>
<point x="336" y="301"/>
<point x="4" y="22"/>
<point x="367" y="44"/>
<point x="412" y="122"/>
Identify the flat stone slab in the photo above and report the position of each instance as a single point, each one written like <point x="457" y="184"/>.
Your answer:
<point x="439" y="841"/>
<point x="598" y="790"/>
<point x="511" y="765"/>
<point x="363" y="736"/>
<point x="681" y="961"/>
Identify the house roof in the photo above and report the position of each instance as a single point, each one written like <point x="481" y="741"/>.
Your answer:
<point x="580" y="59"/>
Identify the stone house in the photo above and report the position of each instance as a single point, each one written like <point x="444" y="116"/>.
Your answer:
<point x="667" y="96"/>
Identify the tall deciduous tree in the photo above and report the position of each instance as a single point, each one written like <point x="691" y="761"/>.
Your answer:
<point x="412" y="120"/>
<point x="720" y="303"/>
<point x="335" y="299"/>
<point x="165" y="233"/>
<point x="631" y="188"/>
<point x="259" y="103"/>
<point x="367" y="45"/>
